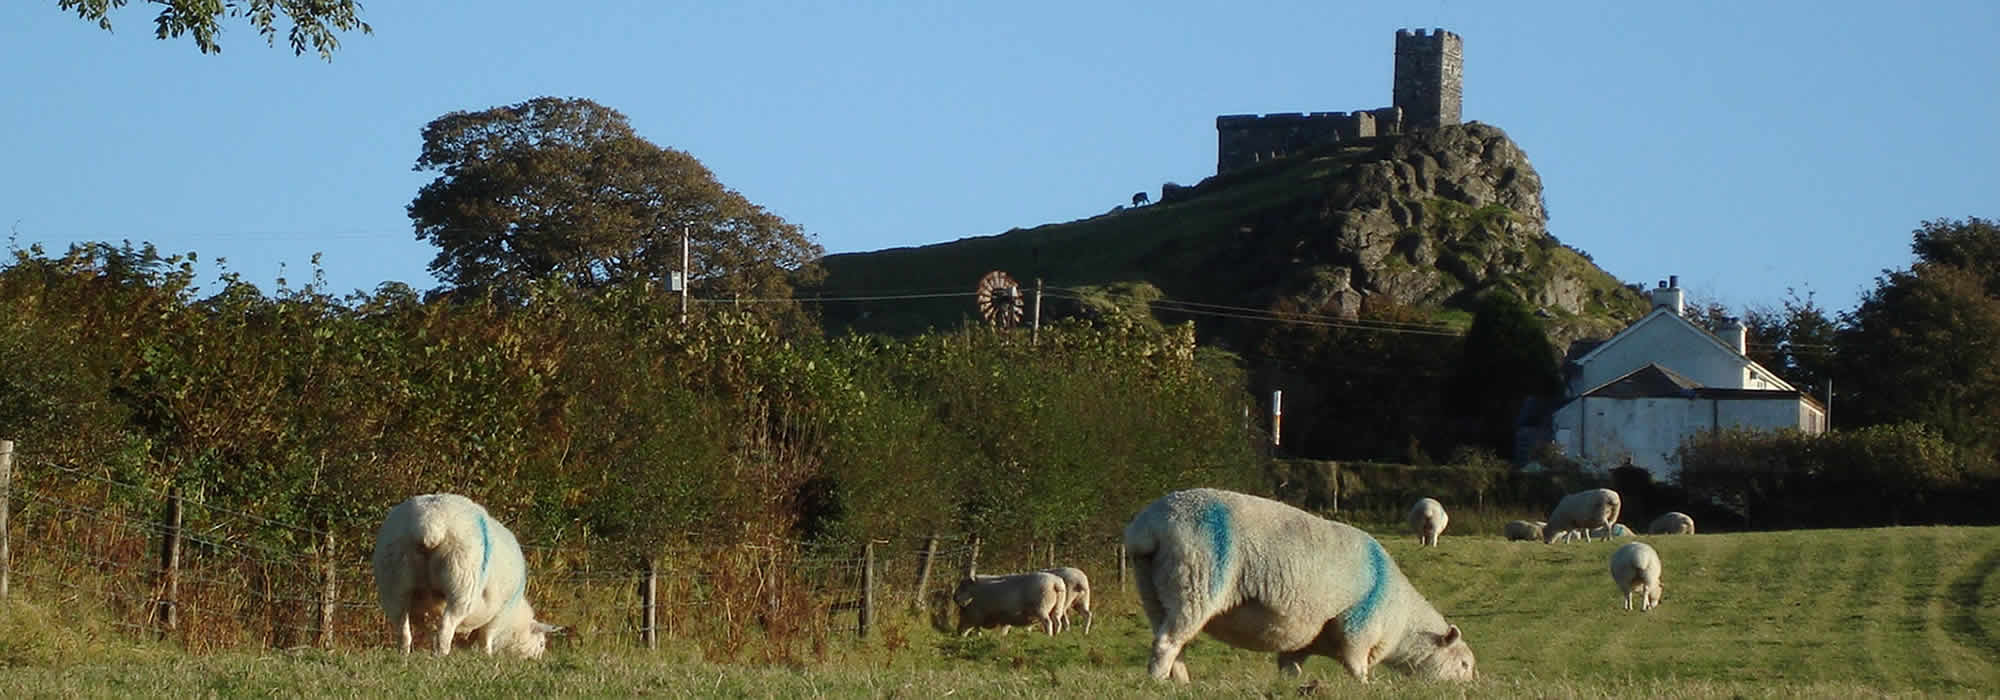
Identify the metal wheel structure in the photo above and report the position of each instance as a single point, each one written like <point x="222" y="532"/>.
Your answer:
<point x="1000" y="299"/>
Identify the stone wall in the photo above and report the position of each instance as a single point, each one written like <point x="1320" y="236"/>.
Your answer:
<point x="1243" y="140"/>
<point x="1427" y="92"/>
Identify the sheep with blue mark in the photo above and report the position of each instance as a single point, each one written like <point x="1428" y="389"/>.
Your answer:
<point x="443" y="554"/>
<point x="1261" y="575"/>
<point x="1636" y="569"/>
<point x="1427" y="519"/>
<point x="1615" y="531"/>
<point x="1583" y="510"/>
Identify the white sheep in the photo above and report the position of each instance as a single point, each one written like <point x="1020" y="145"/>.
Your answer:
<point x="1636" y="568"/>
<point x="1582" y="510"/>
<point x="1077" y="586"/>
<point x="1427" y="519"/>
<point x="985" y="602"/>
<point x="1261" y="575"/>
<point x="1522" y="530"/>
<point x="1674" y="523"/>
<point x="1616" y="530"/>
<point x="442" y="554"/>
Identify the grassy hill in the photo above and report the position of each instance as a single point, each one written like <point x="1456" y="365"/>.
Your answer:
<point x="1830" y="613"/>
<point x="1430" y="221"/>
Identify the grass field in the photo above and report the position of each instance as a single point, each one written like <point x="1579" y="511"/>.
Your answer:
<point x="1830" y="613"/>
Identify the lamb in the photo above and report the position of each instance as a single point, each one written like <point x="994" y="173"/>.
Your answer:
<point x="442" y="554"/>
<point x="1606" y="533"/>
<point x="1635" y="567"/>
<point x="1582" y="510"/>
<point x="1522" y="530"/>
<point x="1078" y="587"/>
<point x="1675" y="523"/>
<point x="985" y="602"/>
<point x="1428" y="519"/>
<point x="1261" y="575"/>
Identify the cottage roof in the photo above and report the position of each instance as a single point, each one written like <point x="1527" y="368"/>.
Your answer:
<point x="1665" y="315"/>
<point x="1655" y="381"/>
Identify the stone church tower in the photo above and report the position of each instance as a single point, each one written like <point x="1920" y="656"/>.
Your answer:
<point x="1430" y="78"/>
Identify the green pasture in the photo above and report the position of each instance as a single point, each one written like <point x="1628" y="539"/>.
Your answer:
<point x="1826" y="613"/>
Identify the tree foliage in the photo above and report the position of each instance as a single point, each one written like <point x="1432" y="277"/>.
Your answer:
<point x="315" y="23"/>
<point x="1924" y="345"/>
<point x="1795" y="340"/>
<point x="565" y="188"/>
<point x="1506" y="362"/>
<point x="593" y="414"/>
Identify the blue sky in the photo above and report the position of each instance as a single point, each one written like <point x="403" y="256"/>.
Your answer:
<point x="1748" y="147"/>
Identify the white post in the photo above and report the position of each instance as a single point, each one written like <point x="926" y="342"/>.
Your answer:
<point x="686" y="282"/>
<point x="1035" y="336"/>
<point x="1277" y="415"/>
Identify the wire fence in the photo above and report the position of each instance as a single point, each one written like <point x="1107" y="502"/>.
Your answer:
<point x="212" y="576"/>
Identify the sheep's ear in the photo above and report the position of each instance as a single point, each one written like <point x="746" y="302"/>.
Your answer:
<point x="1450" y="637"/>
<point x="962" y="598"/>
<point x="548" y="629"/>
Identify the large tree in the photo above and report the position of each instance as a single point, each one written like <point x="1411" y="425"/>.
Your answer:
<point x="315" y="23"/>
<point x="1507" y="362"/>
<point x="1924" y="345"/>
<point x="565" y="188"/>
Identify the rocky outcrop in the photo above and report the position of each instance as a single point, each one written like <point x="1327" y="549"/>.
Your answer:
<point x="1428" y="219"/>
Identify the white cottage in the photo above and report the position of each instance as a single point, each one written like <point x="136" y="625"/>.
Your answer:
<point x="1637" y="395"/>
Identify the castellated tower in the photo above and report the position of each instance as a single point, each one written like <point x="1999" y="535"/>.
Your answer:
<point x="1429" y="77"/>
<point x="1430" y="74"/>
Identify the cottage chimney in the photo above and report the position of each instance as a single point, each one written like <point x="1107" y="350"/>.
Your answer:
<point x="1736" y="335"/>
<point x="1669" y="295"/>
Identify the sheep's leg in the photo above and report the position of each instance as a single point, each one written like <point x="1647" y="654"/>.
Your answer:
<point x="1357" y="655"/>
<point x="1167" y="648"/>
<point x="448" y="622"/>
<point x="1087" y="617"/>
<point x="401" y="622"/>
<point x="1290" y="663"/>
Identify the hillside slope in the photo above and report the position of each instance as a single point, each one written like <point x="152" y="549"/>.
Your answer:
<point x="1430" y="221"/>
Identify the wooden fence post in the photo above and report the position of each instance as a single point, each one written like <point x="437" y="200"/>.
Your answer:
<point x="972" y="560"/>
<point x="1052" y="555"/>
<point x="170" y="565"/>
<point x="924" y="571"/>
<point x="6" y="493"/>
<point x="649" y="604"/>
<point x="867" y="613"/>
<point x="1121" y="566"/>
<point x="1335" y="481"/>
<point x="329" y="592"/>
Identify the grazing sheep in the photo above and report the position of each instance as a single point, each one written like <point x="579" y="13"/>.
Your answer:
<point x="1582" y="510"/>
<point x="1675" y="523"/>
<point x="1606" y="533"/>
<point x="985" y="602"/>
<point x="1428" y="519"/>
<point x="441" y="553"/>
<point x="1522" y="530"/>
<point x="1261" y="575"/>
<point x="1078" y="587"/>
<point x="1635" y="567"/>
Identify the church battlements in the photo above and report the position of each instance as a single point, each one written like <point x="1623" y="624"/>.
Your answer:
<point x="1428" y="88"/>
